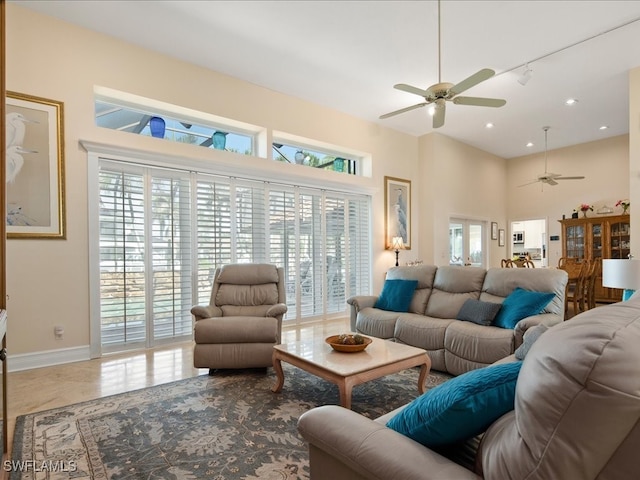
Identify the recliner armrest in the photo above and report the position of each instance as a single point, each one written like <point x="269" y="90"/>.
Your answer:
<point x="358" y="303"/>
<point x="201" y="311"/>
<point x="276" y="310"/>
<point x="361" y="445"/>
<point x="362" y="301"/>
<point x="549" y="319"/>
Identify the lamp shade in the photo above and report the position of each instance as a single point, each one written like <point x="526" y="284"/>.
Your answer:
<point x="621" y="273"/>
<point x="397" y="243"/>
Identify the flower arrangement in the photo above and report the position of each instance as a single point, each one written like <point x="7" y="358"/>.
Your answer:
<point x="624" y="204"/>
<point x="584" y="208"/>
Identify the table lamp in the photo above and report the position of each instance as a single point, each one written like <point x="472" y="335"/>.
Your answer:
<point x="621" y="273"/>
<point x="397" y="244"/>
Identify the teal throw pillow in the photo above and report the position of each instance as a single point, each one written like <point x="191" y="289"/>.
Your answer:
<point x="479" y="312"/>
<point x="521" y="304"/>
<point x="396" y="295"/>
<point x="460" y="408"/>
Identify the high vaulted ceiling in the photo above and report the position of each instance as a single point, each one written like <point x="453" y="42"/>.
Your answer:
<point x="348" y="55"/>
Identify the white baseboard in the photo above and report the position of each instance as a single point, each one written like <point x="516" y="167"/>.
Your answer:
<point x="28" y="361"/>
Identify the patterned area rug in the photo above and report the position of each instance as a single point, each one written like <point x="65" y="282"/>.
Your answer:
<point x="226" y="426"/>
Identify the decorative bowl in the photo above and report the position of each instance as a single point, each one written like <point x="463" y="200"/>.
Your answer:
<point x="339" y="347"/>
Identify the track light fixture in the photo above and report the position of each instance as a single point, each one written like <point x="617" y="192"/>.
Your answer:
<point x="526" y="76"/>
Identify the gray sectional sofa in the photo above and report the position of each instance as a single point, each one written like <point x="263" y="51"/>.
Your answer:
<point x="457" y="346"/>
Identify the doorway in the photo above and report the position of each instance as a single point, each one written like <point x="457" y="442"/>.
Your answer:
<point x="529" y="240"/>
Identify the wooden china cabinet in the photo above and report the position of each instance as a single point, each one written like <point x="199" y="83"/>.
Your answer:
<point x="596" y="238"/>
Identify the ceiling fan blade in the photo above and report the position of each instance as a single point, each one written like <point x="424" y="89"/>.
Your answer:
<point x="569" y="178"/>
<point x="473" y="80"/>
<point x="529" y="183"/>
<point x="438" y="116"/>
<point x="402" y="110"/>
<point x="410" y="89"/>
<point x="479" y="101"/>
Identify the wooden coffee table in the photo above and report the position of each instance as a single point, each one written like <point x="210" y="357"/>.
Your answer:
<point x="381" y="357"/>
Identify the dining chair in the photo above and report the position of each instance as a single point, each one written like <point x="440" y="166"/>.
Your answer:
<point x="576" y="288"/>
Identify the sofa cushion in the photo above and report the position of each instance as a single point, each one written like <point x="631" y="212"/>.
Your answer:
<point x="424" y="274"/>
<point x="521" y="304"/>
<point x="460" y="408"/>
<point x="396" y="295"/>
<point x="479" y="312"/>
<point x="469" y="346"/>
<point x="452" y="286"/>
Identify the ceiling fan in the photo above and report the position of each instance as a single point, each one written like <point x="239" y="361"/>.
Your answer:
<point x="442" y="92"/>
<point x="548" y="177"/>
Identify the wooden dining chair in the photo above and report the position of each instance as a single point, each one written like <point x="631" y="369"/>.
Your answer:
<point x="507" y="263"/>
<point x="576" y="287"/>
<point x="528" y="264"/>
<point x="590" y="286"/>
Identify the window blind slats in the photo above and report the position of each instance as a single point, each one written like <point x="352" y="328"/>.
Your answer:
<point x="161" y="230"/>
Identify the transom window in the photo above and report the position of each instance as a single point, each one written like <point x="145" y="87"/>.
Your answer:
<point x="316" y="158"/>
<point x="153" y="124"/>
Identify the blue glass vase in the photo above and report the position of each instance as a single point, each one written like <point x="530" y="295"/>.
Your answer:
<point x="157" y="127"/>
<point x="219" y="140"/>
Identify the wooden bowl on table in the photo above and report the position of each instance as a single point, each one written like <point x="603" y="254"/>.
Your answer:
<point x="347" y="348"/>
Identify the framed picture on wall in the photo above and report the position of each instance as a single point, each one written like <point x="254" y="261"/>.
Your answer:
<point x="35" y="167"/>
<point x="501" y="237"/>
<point x="397" y="211"/>
<point x="494" y="230"/>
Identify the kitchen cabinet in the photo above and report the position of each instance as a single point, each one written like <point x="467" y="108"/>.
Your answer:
<point x="596" y="238"/>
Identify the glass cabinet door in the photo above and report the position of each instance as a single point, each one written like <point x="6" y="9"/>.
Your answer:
<point x="620" y="240"/>
<point x="575" y="241"/>
<point x="596" y="239"/>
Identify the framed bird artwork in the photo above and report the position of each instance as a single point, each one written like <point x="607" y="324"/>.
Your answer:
<point x="35" y="167"/>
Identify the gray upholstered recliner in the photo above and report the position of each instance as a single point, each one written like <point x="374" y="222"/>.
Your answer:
<point x="576" y="416"/>
<point x="243" y="320"/>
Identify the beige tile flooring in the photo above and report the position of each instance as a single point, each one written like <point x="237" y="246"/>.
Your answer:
<point x="59" y="385"/>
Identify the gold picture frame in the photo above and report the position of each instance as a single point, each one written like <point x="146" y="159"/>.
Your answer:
<point x="397" y="211"/>
<point x="35" y="167"/>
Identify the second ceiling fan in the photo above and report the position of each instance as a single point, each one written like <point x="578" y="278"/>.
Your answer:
<point x="441" y="92"/>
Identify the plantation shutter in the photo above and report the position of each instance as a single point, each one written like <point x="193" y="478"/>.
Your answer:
<point x="213" y="231"/>
<point x="170" y="287"/>
<point x="122" y="252"/>
<point x="164" y="231"/>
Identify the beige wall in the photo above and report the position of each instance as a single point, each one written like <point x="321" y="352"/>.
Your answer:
<point x="48" y="281"/>
<point x="604" y="163"/>
<point x="634" y="157"/>
<point x="457" y="180"/>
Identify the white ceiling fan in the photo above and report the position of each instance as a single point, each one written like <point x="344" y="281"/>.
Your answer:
<point x="442" y="92"/>
<point x="548" y="177"/>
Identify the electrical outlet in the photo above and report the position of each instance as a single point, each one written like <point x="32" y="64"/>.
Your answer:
<point x="58" y="331"/>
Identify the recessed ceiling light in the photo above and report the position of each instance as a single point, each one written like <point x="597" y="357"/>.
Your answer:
<point x="489" y="125"/>
<point x="571" y="101"/>
<point x="530" y="144"/>
<point x="604" y="127"/>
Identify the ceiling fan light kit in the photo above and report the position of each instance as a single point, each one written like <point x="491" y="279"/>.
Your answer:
<point x="442" y="92"/>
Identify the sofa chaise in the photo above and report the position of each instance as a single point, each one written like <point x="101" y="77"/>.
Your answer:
<point x="457" y="346"/>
